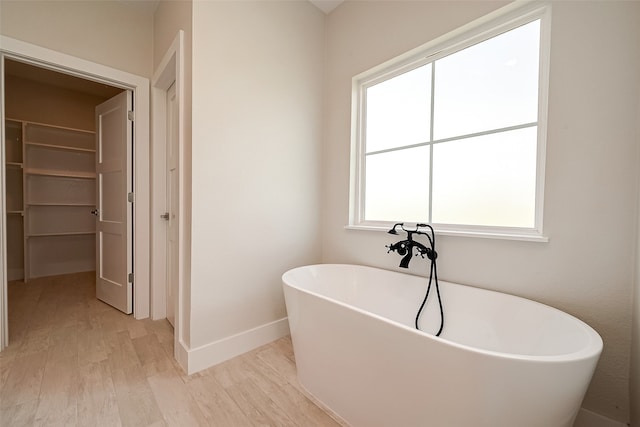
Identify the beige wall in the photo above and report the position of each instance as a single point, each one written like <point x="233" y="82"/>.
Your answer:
<point x="106" y="32"/>
<point x="42" y="103"/>
<point x="587" y="266"/>
<point x="257" y="111"/>
<point x="169" y="17"/>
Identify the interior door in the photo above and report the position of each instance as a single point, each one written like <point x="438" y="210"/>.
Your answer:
<point x="172" y="202"/>
<point x="113" y="210"/>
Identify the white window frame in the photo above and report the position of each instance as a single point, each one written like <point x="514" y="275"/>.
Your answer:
<point x="500" y="21"/>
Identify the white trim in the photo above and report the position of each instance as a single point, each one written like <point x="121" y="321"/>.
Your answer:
<point x="47" y="58"/>
<point x="181" y="354"/>
<point x="505" y="235"/>
<point x="588" y="418"/>
<point x="170" y="70"/>
<point x="4" y="309"/>
<point x="217" y="352"/>
<point x="502" y="20"/>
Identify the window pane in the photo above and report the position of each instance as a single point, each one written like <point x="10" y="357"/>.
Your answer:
<point x="487" y="180"/>
<point x="491" y="85"/>
<point x="398" y="110"/>
<point x="397" y="186"/>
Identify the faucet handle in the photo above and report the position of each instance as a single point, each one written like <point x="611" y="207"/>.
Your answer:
<point x="401" y="247"/>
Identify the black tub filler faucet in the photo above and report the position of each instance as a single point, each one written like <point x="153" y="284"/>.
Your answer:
<point x="405" y="248"/>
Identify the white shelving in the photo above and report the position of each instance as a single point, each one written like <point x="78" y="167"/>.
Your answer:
<point x="14" y="180"/>
<point x="51" y="190"/>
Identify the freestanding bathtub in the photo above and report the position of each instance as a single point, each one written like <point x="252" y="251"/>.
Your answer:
<point x="501" y="361"/>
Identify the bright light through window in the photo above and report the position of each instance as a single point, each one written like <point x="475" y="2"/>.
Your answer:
<point x="454" y="140"/>
<point x="491" y="85"/>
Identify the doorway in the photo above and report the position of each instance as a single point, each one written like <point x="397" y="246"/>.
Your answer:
<point x="52" y="185"/>
<point x="19" y="51"/>
<point x="168" y="237"/>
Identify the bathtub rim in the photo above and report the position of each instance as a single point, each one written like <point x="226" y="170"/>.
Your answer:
<point x="593" y="348"/>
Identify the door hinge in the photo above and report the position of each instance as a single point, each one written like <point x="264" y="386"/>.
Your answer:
<point x="130" y="278"/>
<point x="131" y="116"/>
<point x="130" y="197"/>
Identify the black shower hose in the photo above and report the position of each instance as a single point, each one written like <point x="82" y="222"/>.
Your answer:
<point x="433" y="276"/>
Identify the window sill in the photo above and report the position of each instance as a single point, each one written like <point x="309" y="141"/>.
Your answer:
<point x="464" y="233"/>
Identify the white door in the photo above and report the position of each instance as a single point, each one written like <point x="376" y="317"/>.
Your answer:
<point x="172" y="202"/>
<point x="113" y="210"/>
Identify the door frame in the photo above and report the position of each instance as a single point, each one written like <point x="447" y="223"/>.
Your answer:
<point x="170" y="70"/>
<point x="46" y="58"/>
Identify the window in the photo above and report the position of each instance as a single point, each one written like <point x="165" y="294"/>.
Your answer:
<point x="453" y="133"/>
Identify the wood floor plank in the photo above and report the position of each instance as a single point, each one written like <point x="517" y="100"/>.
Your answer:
<point x="137" y="329"/>
<point x="162" y="329"/>
<point x="136" y="403"/>
<point x="63" y="343"/>
<point x="281" y="363"/>
<point x="97" y="403"/>
<point x="91" y="346"/>
<point x="57" y="403"/>
<point x="36" y="341"/>
<point x="24" y="379"/>
<point x="151" y="355"/>
<point x="257" y="406"/>
<point x="7" y="356"/>
<point x="215" y="403"/>
<point x="174" y="400"/>
<point x="121" y="353"/>
<point x="287" y="396"/>
<point x="229" y="373"/>
<point x="20" y="415"/>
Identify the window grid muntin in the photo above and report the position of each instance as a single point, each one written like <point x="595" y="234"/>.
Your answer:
<point x="432" y="120"/>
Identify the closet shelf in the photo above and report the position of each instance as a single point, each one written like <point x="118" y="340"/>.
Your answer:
<point x="51" y="171"/>
<point x="61" y="173"/>
<point x="89" y="205"/>
<point x="60" y="147"/>
<point x="68" y="233"/>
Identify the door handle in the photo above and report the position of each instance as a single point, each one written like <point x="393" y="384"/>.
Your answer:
<point x="165" y="216"/>
<point x="96" y="212"/>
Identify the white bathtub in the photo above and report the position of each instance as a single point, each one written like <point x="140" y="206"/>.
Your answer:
<point x="501" y="361"/>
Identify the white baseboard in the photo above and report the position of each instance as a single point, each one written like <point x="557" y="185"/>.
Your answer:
<point x="588" y="418"/>
<point x="205" y="356"/>
<point x="181" y="354"/>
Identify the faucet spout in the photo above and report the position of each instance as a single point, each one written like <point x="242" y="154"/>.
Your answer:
<point x="404" y="262"/>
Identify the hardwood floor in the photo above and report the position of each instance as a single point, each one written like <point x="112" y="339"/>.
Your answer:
<point x="75" y="361"/>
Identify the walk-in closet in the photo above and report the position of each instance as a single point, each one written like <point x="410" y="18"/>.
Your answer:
<point x="50" y="171"/>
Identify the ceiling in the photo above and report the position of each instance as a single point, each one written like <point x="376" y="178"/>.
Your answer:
<point x="326" y="5"/>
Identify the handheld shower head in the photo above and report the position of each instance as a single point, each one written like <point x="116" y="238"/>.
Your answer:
<point x="393" y="230"/>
